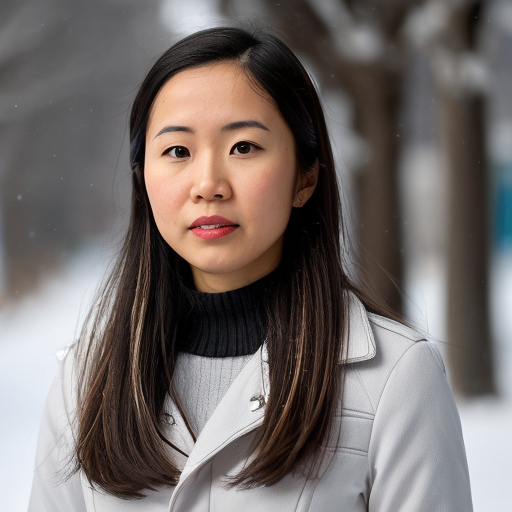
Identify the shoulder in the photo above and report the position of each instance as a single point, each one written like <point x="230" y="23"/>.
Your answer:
<point x="416" y="444"/>
<point x="62" y="397"/>
<point x="55" y="485"/>
<point x="401" y="353"/>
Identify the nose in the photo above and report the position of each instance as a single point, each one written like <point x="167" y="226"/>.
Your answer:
<point x="210" y="181"/>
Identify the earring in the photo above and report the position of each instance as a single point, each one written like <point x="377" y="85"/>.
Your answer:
<point x="297" y="202"/>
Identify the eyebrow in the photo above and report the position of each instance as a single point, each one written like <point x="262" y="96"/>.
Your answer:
<point x="167" y="129"/>
<point x="237" y="125"/>
<point x="243" y="124"/>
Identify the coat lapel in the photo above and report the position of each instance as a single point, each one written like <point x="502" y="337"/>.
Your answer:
<point x="235" y="415"/>
<point x="232" y="418"/>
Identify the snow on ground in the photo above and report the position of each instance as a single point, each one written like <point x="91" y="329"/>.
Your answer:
<point x="487" y="423"/>
<point x="34" y="329"/>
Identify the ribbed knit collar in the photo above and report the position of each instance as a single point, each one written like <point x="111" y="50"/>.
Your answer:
<point x="227" y="324"/>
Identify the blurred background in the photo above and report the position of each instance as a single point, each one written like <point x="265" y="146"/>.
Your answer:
<point x="418" y="96"/>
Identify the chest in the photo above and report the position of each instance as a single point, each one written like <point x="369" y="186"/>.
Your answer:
<point x="342" y="482"/>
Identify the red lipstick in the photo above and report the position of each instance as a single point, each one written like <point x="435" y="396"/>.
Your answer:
<point x="210" y="228"/>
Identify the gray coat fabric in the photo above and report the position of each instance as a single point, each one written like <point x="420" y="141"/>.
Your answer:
<point x="398" y="448"/>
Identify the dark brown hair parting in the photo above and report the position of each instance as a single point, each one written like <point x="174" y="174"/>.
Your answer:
<point x="128" y="347"/>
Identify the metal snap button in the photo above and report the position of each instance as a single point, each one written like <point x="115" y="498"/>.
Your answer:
<point x="258" y="402"/>
<point x="168" y="419"/>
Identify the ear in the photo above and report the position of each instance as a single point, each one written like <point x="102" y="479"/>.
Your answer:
<point x="306" y="184"/>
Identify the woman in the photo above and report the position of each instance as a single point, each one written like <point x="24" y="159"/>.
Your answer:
<point x="231" y="364"/>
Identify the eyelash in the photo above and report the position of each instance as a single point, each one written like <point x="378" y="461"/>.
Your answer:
<point x="250" y="145"/>
<point x="168" y="151"/>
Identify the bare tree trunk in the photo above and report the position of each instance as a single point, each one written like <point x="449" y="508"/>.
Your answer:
<point x="461" y="118"/>
<point x="377" y="95"/>
<point x="468" y="320"/>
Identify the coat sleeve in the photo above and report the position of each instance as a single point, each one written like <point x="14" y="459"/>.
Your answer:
<point x="416" y="454"/>
<point x="53" y="489"/>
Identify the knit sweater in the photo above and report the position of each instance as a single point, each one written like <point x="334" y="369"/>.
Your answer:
<point x="220" y="334"/>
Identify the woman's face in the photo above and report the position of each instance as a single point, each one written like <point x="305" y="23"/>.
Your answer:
<point x="221" y="175"/>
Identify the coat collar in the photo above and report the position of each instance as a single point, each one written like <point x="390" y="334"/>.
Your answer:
<point x="359" y="343"/>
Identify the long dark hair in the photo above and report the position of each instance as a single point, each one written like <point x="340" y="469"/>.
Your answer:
<point x="128" y="349"/>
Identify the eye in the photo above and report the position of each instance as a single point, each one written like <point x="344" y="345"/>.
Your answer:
<point x="243" y="148"/>
<point x="178" y="152"/>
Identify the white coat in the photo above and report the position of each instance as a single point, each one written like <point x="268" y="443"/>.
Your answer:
<point x="400" y="447"/>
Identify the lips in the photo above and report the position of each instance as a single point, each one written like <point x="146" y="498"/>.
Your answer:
<point x="214" y="226"/>
<point x="213" y="220"/>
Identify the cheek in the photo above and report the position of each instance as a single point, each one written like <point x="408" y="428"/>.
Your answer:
<point x="163" y="199"/>
<point x="278" y="184"/>
<point x="155" y="194"/>
<point x="272" y="195"/>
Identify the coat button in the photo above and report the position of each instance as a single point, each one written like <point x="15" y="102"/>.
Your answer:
<point x="258" y="402"/>
<point x="168" y="419"/>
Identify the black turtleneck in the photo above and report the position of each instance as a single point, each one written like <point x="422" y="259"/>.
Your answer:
<point x="227" y="324"/>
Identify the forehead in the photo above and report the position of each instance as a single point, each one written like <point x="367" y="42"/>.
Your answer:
<point x="223" y="88"/>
